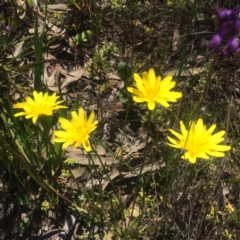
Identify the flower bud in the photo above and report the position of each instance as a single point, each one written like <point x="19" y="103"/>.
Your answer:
<point x="232" y="46"/>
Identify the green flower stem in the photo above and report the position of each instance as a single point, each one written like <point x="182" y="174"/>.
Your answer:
<point x="43" y="130"/>
<point x="193" y="173"/>
<point x="105" y="171"/>
<point x="108" y="149"/>
<point x="203" y="94"/>
<point x="109" y="179"/>
<point x="45" y="125"/>
<point x="141" y="169"/>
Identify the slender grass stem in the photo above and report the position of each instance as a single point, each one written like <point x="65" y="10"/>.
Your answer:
<point x="141" y="169"/>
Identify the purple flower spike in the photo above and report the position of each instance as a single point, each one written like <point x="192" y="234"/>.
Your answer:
<point x="225" y="41"/>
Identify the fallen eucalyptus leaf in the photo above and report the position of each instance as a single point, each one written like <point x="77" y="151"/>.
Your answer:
<point x="73" y="76"/>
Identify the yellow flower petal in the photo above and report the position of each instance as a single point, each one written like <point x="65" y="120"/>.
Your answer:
<point x="66" y="144"/>
<point x="167" y="79"/>
<point x="174" y="144"/>
<point x="222" y="148"/>
<point x="216" y="154"/>
<point x="86" y="145"/>
<point x="151" y="105"/>
<point x="137" y="78"/>
<point x="67" y="124"/>
<point x="152" y="76"/>
<point x="190" y="157"/>
<point x="179" y="136"/>
<point x="138" y="99"/>
<point x="173" y="96"/>
<point x="163" y="102"/>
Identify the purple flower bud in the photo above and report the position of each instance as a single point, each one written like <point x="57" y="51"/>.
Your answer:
<point x="222" y="29"/>
<point x="228" y="14"/>
<point x="232" y="46"/>
<point x="237" y="25"/>
<point x="215" y="42"/>
<point x="217" y="39"/>
<point x="236" y="10"/>
<point x="6" y="28"/>
<point x="225" y="14"/>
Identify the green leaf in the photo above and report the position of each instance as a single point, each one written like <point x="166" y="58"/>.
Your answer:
<point x="124" y="71"/>
<point x="23" y="200"/>
<point x="30" y="3"/>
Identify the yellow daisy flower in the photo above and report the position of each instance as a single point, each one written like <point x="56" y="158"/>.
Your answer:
<point x="152" y="89"/>
<point x="198" y="141"/>
<point x="39" y="105"/>
<point x="77" y="130"/>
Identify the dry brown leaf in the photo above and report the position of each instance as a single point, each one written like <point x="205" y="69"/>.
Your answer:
<point x="73" y="76"/>
<point x="58" y="7"/>
<point x="56" y="31"/>
<point x="146" y="168"/>
<point x="100" y="150"/>
<point x="18" y="48"/>
<point x="108" y="236"/>
<point x="56" y="89"/>
<point x="138" y="145"/>
<point x="55" y="46"/>
<point x="175" y="41"/>
<point x="78" y="172"/>
<point x="80" y="158"/>
<point x="117" y="171"/>
<point x="114" y="80"/>
<point x="225" y="189"/>
<point x="32" y="30"/>
<point x="184" y="73"/>
<point x="15" y="95"/>
<point x="21" y="10"/>
<point x="48" y="56"/>
<point x="70" y="42"/>
<point x="52" y="80"/>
